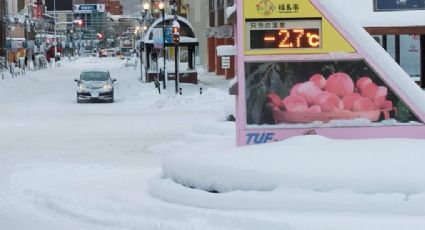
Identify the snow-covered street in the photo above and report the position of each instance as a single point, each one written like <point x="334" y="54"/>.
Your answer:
<point x="70" y="166"/>
<point x="89" y="166"/>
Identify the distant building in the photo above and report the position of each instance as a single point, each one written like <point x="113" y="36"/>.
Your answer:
<point x="113" y="7"/>
<point x="220" y="33"/>
<point x="2" y="28"/>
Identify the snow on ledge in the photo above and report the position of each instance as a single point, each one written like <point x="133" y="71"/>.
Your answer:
<point x="226" y="50"/>
<point x="230" y="10"/>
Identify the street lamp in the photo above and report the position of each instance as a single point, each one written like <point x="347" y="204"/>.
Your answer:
<point x="144" y="11"/>
<point x="161" y="6"/>
<point x="56" y="38"/>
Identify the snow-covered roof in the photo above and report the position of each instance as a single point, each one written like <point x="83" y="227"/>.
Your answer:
<point x="362" y="11"/>
<point x="167" y="18"/>
<point x="182" y="40"/>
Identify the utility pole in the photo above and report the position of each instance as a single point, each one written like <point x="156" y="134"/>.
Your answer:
<point x="176" y="41"/>
<point x="162" y="8"/>
<point x="2" y="28"/>
<point x="54" y="20"/>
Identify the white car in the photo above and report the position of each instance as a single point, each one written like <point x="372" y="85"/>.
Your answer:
<point x="95" y="85"/>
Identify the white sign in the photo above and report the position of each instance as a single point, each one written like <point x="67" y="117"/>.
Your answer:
<point x="158" y="39"/>
<point x="225" y="62"/>
<point x="88" y="8"/>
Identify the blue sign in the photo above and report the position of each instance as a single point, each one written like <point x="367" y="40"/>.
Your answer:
<point x="158" y="36"/>
<point x="89" y="7"/>
<point x="259" y="138"/>
<point x="168" y="36"/>
<point x="392" y="5"/>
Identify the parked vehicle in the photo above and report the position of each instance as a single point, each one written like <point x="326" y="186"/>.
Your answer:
<point x="107" y="52"/>
<point x="95" y="86"/>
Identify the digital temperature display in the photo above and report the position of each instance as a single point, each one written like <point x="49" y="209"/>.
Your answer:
<point x="284" y="34"/>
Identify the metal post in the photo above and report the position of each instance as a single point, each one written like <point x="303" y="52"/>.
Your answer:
<point x="176" y="66"/>
<point x="422" y="60"/>
<point x="54" y="20"/>
<point x="140" y="41"/>
<point x="3" y="28"/>
<point x="163" y="47"/>
<point x="176" y="57"/>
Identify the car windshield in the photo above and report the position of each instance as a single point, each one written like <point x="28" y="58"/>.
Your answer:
<point x="94" y="76"/>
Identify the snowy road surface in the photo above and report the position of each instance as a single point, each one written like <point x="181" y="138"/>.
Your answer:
<point x="74" y="166"/>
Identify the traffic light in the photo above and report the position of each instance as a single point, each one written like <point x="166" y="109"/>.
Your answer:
<point x="78" y="22"/>
<point x="176" y="32"/>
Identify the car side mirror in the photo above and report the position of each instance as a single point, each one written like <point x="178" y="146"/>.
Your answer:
<point x="114" y="80"/>
<point x="76" y="80"/>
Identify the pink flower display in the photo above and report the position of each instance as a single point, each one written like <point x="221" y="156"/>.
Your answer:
<point x="336" y="97"/>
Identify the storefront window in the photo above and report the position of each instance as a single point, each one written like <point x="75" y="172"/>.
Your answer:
<point x="409" y="52"/>
<point x="211" y="4"/>
<point x="410" y="55"/>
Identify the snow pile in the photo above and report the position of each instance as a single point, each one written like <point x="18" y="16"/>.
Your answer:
<point x="345" y="173"/>
<point x="210" y="100"/>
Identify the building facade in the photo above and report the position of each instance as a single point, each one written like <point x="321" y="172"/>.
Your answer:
<point x="113" y="7"/>
<point x="220" y="33"/>
<point x="2" y="28"/>
<point x="195" y="12"/>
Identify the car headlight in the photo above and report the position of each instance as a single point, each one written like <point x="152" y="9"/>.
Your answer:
<point x="108" y="87"/>
<point x="82" y="87"/>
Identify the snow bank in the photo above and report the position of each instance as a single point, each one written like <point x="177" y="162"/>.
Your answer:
<point x="210" y="100"/>
<point x="301" y="173"/>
